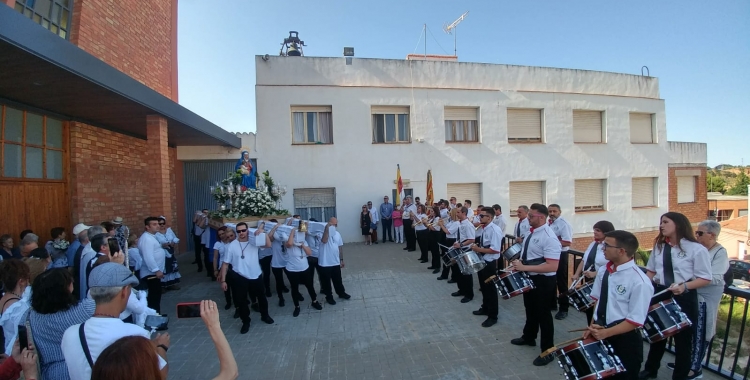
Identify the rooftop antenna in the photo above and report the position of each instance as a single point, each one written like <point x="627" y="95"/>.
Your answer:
<point x="451" y="29"/>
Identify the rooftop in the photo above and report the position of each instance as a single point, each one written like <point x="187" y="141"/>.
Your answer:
<point x="712" y="196"/>
<point x="737" y="224"/>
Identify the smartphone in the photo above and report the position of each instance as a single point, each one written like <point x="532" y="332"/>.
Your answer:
<point x="23" y="337"/>
<point x="189" y="310"/>
<point x="158" y="322"/>
<point x="114" y="246"/>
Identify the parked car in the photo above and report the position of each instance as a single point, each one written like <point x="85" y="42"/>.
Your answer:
<point x="740" y="269"/>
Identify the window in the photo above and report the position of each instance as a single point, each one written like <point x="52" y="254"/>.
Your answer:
<point x="524" y="125"/>
<point x="407" y="193"/>
<point x="741" y="213"/>
<point x="590" y="194"/>
<point x="723" y="215"/>
<point x="641" y="128"/>
<point x="31" y="145"/>
<point x="525" y="193"/>
<point x="587" y="126"/>
<point x="461" y="124"/>
<point x="686" y="189"/>
<point x="53" y="15"/>
<point x="464" y="191"/>
<point x="390" y="125"/>
<point x="315" y="203"/>
<point x="644" y="192"/>
<point x="312" y="125"/>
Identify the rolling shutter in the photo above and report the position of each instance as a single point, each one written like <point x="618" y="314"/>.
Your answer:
<point x="524" y="125"/>
<point x="644" y="192"/>
<point x="462" y="191"/>
<point x="525" y="193"/>
<point x="461" y="113"/>
<point x="325" y="197"/>
<point x="641" y="129"/>
<point x="311" y="109"/>
<point x="395" y="110"/>
<point x="587" y="126"/>
<point x="685" y="189"/>
<point x="589" y="194"/>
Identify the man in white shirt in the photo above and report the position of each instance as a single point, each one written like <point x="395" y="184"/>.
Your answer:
<point x="374" y="219"/>
<point x="470" y="212"/>
<point x="564" y="233"/>
<point x="492" y="240"/>
<point x="111" y="284"/>
<point x="87" y="254"/>
<point x="522" y="226"/>
<point x="408" y="210"/>
<point x="452" y="203"/>
<point x="464" y="237"/>
<point x="152" y="269"/>
<point x="331" y="261"/>
<point x="499" y="218"/>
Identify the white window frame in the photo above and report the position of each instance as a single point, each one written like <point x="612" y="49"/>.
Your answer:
<point x="654" y="192"/>
<point x="636" y="137"/>
<point x="585" y="203"/>
<point x="525" y="139"/>
<point x="682" y="193"/>
<point x="317" y="110"/>
<point x="310" y="203"/>
<point x="396" y="111"/>
<point x="465" y="118"/>
<point x="515" y="202"/>
<point x="586" y="134"/>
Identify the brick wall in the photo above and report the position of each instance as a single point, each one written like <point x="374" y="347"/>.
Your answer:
<point x="695" y="211"/>
<point x="135" y="37"/>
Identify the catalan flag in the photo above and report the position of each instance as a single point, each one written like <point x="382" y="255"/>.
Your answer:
<point x="430" y="197"/>
<point x="399" y="186"/>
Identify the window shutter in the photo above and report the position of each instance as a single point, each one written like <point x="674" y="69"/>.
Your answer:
<point x="524" y="125"/>
<point x="325" y="197"/>
<point x="589" y="194"/>
<point x="396" y="110"/>
<point x="311" y="109"/>
<point x="685" y="189"/>
<point x="644" y="192"/>
<point x="525" y="193"/>
<point x="641" y="128"/>
<point x="461" y="113"/>
<point x="462" y="191"/>
<point x="587" y="126"/>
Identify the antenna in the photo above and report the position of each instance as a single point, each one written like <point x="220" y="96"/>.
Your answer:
<point x="451" y="29"/>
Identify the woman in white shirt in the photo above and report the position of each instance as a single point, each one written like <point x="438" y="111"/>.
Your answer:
<point x="219" y="248"/>
<point x="168" y="240"/>
<point x="593" y="258"/>
<point x="435" y="238"/>
<point x="422" y="233"/>
<point x="14" y="305"/>
<point x="296" y="270"/>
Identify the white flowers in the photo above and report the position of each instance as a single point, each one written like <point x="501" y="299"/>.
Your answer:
<point x="252" y="202"/>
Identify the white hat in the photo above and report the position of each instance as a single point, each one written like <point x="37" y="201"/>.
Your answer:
<point x="117" y="220"/>
<point x="80" y="227"/>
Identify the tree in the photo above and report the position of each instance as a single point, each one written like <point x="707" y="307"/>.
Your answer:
<point x="715" y="183"/>
<point x="740" y="184"/>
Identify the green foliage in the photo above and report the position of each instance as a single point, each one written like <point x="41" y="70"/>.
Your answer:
<point x="715" y="183"/>
<point x="740" y="184"/>
<point x="641" y="256"/>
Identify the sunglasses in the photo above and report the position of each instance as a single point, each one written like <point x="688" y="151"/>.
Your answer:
<point x="700" y="233"/>
<point x="241" y="231"/>
<point x="162" y="224"/>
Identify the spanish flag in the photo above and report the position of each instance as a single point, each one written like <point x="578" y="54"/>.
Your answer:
<point x="430" y="198"/>
<point x="399" y="186"/>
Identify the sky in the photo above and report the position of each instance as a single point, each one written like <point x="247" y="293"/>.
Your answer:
<point x="699" y="50"/>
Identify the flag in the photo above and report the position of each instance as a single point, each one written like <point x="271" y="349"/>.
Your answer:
<point x="399" y="186"/>
<point x="430" y="198"/>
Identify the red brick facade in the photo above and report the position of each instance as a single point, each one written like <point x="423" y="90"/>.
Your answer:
<point x="695" y="211"/>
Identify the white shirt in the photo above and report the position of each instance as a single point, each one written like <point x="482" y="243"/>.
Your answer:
<point x="465" y="231"/>
<point x="522" y="228"/>
<point x="500" y="221"/>
<point x="452" y="227"/>
<point x="688" y="263"/>
<point x="543" y="243"/>
<point x="492" y="238"/>
<point x="135" y="305"/>
<point x="278" y="260"/>
<point x="100" y="334"/>
<point x="629" y="293"/>
<point x="249" y="267"/>
<point x="374" y="217"/>
<point x="296" y="258"/>
<point x="421" y="226"/>
<point x="329" y="251"/>
<point x="221" y="249"/>
<point x="134" y="258"/>
<point x="469" y="213"/>
<point x="206" y="237"/>
<point x="563" y="231"/>
<point x="408" y="210"/>
<point x="599" y="260"/>
<point x="152" y="253"/>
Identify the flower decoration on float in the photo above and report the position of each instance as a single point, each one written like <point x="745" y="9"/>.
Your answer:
<point x="237" y="201"/>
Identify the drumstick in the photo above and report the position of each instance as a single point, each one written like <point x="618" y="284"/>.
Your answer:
<point x="577" y="330"/>
<point x="555" y="348"/>
<point x="664" y="291"/>
<point x="487" y="281"/>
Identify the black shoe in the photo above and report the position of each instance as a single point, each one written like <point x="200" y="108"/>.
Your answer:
<point x="423" y="261"/>
<point x="539" y="361"/>
<point x="268" y="294"/>
<point x="406" y="248"/>
<point x="670" y="366"/>
<point x="695" y="375"/>
<point x="451" y="281"/>
<point x="300" y="298"/>
<point x="465" y="300"/>
<point x="440" y="278"/>
<point x="437" y="270"/>
<point x="200" y="270"/>
<point x="481" y="311"/>
<point x="561" y="315"/>
<point x="431" y="267"/>
<point x="646" y="374"/>
<point x="489" y="322"/>
<point x="267" y="319"/>
<point x="384" y="241"/>
<point x="522" y="342"/>
<point x="281" y="302"/>
<point x="228" y="306"/>
<point x="245" y="327"/>
<point x="554" y="308"/>
<point x="345" y="296"/>
<point x="389" y="241"/>
<point x="236" y="313"/>
<point x="317" y="305"/>
<point x="374" y="242"/>
<point x="296" y="312"/>
<point x="286" y="290"/>
<point x="456" y="294"/>
<point x="330" y="300"/>
<point x="255" y="307"/>
<point x="411" y="250"/>
<point x="194" y="262"/>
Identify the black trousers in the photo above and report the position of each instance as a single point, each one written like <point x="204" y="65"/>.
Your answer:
<point x="328" y="275"/>
<point x="265" y="266"/>
<point x="241" y="286"/>
<point x="207" y="261"/>
<point x="562" y="283"/>
<point x="409" y="235"/>
<point x="387" y="223"/>
<point x="683" y="341"/>
<point x="153" y="299"/>
<point x="435" y="239"/>
<point x="423" y="238"/>
<point x="278" y="277"/>
<point x="539" y="312"/>
<point x="297" y="278"/>
<point x="629" y="348"/>
<point x="489" y="294"/>
<point x="198" y="248"/>
<point x="453" y="269"/>
<point x="312" y="263"/>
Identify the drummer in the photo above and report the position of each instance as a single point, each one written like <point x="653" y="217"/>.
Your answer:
<point x="539" y="257"/>
<point x="492" y="240"/>
<point x="623" y="293"/>
<point x="450" y="228"/>
<point x="464" y="238"/>
<point x="678" y="263"/>
<point x="593" y="258"/>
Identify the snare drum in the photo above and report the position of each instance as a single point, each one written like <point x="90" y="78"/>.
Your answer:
<point x="580" y="297"/>
<point x="469" y="262"/>
<point x="449" y="257"/>
<point x="589" y="359"/>
<point x="511" y="283"/>
<point x="513" y="252"/>
<point x="664" y="320"/>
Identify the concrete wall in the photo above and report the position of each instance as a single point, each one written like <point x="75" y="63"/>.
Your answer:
<point x="688" y="153"/>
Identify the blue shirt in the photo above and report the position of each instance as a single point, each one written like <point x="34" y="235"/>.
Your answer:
<point x="71" y="252"/>
<point x="386" y="209"/>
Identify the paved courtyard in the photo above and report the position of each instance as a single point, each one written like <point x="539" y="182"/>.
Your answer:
<point x="401" y="323"/>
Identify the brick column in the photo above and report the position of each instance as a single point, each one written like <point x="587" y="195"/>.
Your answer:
<point x="160" y="187"/>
